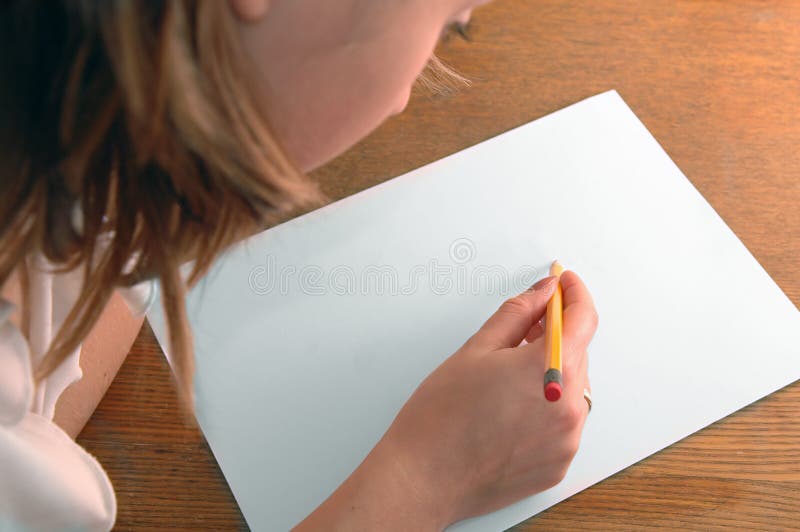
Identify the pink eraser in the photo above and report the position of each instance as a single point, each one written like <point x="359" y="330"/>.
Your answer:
<point x="552" y="391"/>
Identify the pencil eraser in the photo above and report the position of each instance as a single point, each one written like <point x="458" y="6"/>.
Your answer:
<point x="552" y="391"/>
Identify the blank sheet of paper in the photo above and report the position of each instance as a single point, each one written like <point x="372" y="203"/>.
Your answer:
<point x="311" y="336"/>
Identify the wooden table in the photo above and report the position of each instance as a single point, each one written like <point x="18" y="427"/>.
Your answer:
<point x="717" y="84"/>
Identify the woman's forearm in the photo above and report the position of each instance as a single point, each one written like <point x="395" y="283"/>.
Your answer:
<point x="380" y="494"/>
<point x="102" y="354"/>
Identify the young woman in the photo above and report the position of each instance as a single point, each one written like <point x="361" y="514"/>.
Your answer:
<point x="137" y="136"/>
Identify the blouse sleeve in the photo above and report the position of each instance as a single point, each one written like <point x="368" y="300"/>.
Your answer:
<point x="16" y="382"/>
<point x="47" y="481"/>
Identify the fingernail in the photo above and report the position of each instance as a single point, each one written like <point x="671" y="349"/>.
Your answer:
<point x="544" y="284"/>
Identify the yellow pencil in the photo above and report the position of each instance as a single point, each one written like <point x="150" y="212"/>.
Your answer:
<point x="553" y="325"/>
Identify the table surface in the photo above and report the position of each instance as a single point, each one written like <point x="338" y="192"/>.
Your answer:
<point x="717" y="84"/>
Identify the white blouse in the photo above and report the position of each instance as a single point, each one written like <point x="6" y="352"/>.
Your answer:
<point x="47" y="481"/>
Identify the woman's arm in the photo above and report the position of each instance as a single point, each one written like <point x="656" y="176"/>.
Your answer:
<point x="381" y="494"/>
<point x="102" y="354"/>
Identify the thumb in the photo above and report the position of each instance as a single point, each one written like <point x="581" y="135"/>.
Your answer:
<point x="508" y="326"/>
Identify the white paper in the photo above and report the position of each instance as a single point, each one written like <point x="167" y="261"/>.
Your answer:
<point x="296" y="383"/>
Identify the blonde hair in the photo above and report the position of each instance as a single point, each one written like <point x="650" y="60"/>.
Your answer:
<point x="440" y="78"/>
<point x="137" y="117"/>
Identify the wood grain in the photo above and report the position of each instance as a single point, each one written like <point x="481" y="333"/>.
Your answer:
<point x="716" y="82"/>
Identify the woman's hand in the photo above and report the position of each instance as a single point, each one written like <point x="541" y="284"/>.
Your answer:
<point x="478" y="433"/>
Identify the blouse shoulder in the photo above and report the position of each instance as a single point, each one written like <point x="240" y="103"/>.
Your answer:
<point x="49" y="482"/>
<point x="16" y="379"/>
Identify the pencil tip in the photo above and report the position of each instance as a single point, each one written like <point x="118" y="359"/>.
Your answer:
<point x="556" y="268"/>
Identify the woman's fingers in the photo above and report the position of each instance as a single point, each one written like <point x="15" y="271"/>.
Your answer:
<point x="537" y="331"/>
<point x="513" y="320"/>
<point x="580" y="316"/>
<point x="580" y="323"/>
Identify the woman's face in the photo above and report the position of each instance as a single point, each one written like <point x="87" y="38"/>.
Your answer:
<point x="330" y="71"/>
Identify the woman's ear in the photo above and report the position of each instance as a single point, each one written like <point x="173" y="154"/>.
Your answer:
<point x="250" y="10"/>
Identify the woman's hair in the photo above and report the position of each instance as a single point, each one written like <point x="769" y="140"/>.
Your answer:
<point x="130" y="143"/>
